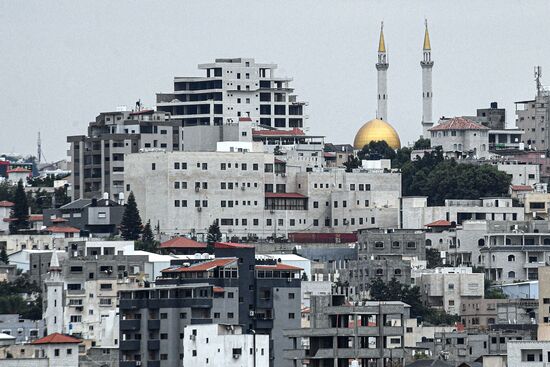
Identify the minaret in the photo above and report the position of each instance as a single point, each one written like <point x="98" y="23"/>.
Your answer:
<point x="53" y="313"/>
<point x="382" y="67"/>
<point x="427" y="94"/>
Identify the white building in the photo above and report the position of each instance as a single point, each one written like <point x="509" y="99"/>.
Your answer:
<point x="460" y="138"/>
<point x="417" y="213"/>
<point x="223" y="345"/>
<point x="234" y="88"/>
<point x="258" y="195"/>
<point x="5" y="210"/>
<point x="528" y="353"/>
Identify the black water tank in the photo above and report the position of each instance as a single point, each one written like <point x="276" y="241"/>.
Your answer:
<point x="494" y="105"/>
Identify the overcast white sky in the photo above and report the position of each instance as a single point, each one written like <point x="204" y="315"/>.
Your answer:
<point x="63" y="62"/>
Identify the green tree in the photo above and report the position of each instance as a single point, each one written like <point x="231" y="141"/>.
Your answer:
<point x="61" y="197"/>
<point x="7" y="191"/>
<point x="131" y="225"/>
<point x="148" y="242"/>
<point x="20" y="210"/>
<point x="214" y="235"/>
<point x="352" y="163"/>
<point x="4" y="256"/>
<point x="492" y="292"/>
<point x="422" y="143"/>
<point x="433" y="258"/>
<point x="376" y="150"/>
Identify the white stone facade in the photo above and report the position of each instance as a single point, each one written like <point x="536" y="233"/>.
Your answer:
<point x="255" y="194"/>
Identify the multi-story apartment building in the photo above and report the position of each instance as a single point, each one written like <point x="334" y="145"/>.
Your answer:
<point x="482" y="314"/>
<point x="97" y="159"/>
<point x="81" y="294"/>
<point x="263" y="298"/>
<point x="384" y="254"/>
<point x="224" y="345"/>
<point x="363" y="334"/>
<point x="544" y="303"/>
<point x="533" y="117"/>
<point x="528" y="353"/>
<point x="258" y="195"/>
<point x="449" y="288"/>
<point x="417" y="213"/>
<point x="234" y="88"/>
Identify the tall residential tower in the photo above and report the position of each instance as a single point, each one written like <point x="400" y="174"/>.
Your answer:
<point x="427" y="93"/>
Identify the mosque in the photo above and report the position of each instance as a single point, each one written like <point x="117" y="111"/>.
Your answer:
<point x="379" y="128"/>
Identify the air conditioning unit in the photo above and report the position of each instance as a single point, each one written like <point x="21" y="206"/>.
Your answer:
<point x="272" y="212"/>
<point x="138" y="363"/>
<point x="289" y="280"/>
<point x="197" y="189"/>
<point x="236" y="356"/>
<point x="199" y="209"/>
<point x="283" y="174"/>
<point x="192" y="337"/>
<point x="242" y="188"/>
<point x="251" y="313"/>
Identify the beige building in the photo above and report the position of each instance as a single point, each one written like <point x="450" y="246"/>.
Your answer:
<point x="449" y="288"/>
<point x="544" y="304"/>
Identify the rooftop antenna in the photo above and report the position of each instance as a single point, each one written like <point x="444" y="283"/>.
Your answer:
<point x="538" y="76"/>
<point x="39" y="152"/>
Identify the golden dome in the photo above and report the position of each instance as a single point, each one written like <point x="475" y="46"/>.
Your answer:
<point x="376" y="130"/>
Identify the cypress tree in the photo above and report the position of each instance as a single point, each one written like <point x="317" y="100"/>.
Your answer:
<point x="20" y="210"/>
<point x="214" y="235"/>
<point x="131" y="225"/>
<point x="4" y="256"/>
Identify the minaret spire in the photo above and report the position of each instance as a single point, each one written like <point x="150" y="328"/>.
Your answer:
<point x="426" y="64"/>
<point x="382" y="67"/>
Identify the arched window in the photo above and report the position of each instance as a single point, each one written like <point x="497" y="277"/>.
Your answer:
<point x="511" y="274"/>
<point x="397" y="272"/>
<point x="508" y="241"/>
<point x="428" y="242"/>
<point x="481" y="242"/>
<point x="493" y="257"/>
<point x="511" y="258"/>
<point x="379" y="272"/>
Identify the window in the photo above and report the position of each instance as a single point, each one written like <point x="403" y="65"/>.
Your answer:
<point x="411" y="244"/>
<point x="177" y="165"/>
<point x="69" y="351"/>
<point x="379" y="244"/>
<point x="153" y="166"/>
<point x="230" y="315"/>
<point x="291" y="296"/>
<point x="163" y="315"/>
<point x="511" y="274"/>
<point x="395" y="244"/>
<point x="511" y="258"/>
<point x="56" y="352"/>
<point x="291" y="315"/>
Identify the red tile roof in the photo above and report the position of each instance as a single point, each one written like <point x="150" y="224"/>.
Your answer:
<point x="294" y="132"/>
<point x="6" y="204"/>
<point x="182" y="242"/>
<point x="19" y="170"/>
<point x="203" y="266"/>
<point x="36" y="218"/>
<point x="60" y="229"/>
<point x="439" y="223"/>
<point x="285" y="195"/>
<point x="218" y="289"/>
<point x="458" y="123"/>
<point x="57" y="338"/>
<point x="231" y="245"/>
<point x="521" y="188"/>
<point x="59" y="220"/>
<point x="278" y="266"/>
<point x="245" y="119"/>
<point x="7" y="220"/>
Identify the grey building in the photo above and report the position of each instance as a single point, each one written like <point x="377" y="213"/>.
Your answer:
<point x="98" y="217"/>
<point x="231" y="89"/>
<point x="482" y="314"/>
<point x="384" y="254"/>
<point x="22" y="329"/>
<point x="533" y="117"/>
<point x="97" y="158"/>
<point x="231" y="289"/>
<point x="370" y="333"/>
<point x="493" y="117"/>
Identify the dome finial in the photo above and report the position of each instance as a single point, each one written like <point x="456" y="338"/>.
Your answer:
<point x="381" y="43"/>
<point x="427" y="45"/>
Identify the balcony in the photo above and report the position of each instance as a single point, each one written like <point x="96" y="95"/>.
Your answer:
<point x="264" y="323"/>
<point x="153" y="363"/>
<point x="153" y="324"/>
<point x="130" y="325"/>
<point x="130" y="345"/>
<point x="153" y="344"/>
<point x="200" y="321"/>
<point x="264" y="303"/>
